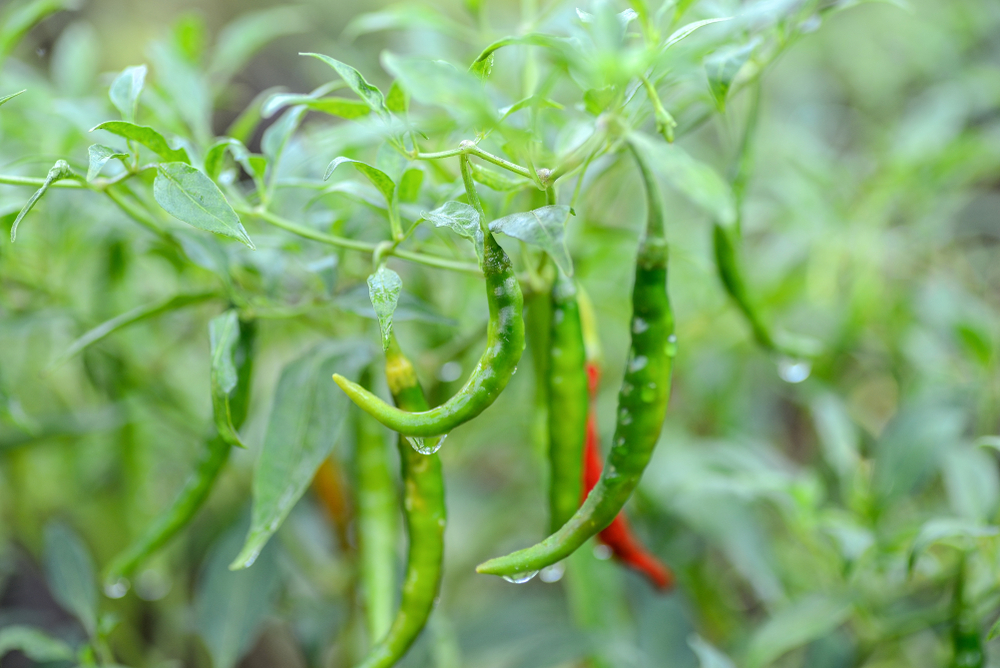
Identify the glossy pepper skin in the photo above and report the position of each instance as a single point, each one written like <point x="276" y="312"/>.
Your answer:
<point x="424" y="507"/>
<point x="504" y="345"/>
<point x="568" y="402"/>
<point x="199" y="484"/>
<point x="642" y="401"/>
<point x="625" y="545"/>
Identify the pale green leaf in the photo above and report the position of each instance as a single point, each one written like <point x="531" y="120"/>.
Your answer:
<point x="125" y="91"/>
<point x="441" y="84"/>
<point x="99" y="156"/>
<point x="961" y="533"/>
<point x="146" y="136"/>
<point x="8" y="98"/>
<point x="368" y="93"/>
<point x="409" y="184"/>
<point x="460" y="218"/>
<point x="70" y="574"/>
<point x="396" y="100"/>
<point x="800" y="623"/>
<point x="276" y="137"/>
<point x="34" y="643"/>
<point x="378" y="178"/>
<point x="722" y="68"/>
<point x="544" y="228"/>
<point x="193" y="198"/>
<point x="383" y="289"/>
<point x="306" y="421"/>
<point x="685" y="31"/>
<point x="708" y="655"/>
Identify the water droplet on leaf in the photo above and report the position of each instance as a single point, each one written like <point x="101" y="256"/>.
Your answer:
<point x="426" y="446"/>
<point x="116" y="589"/>
<point x="552" y="573"/>
<point x="602" y="552"/>
<point x="520" y="578"/>
<point x="792" y="370"/>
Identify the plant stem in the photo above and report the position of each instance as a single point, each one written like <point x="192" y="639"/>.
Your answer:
<point x="470" y="148"/>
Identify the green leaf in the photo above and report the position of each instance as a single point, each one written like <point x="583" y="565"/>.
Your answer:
<point x="371" y="95"/>
<point x="397" y="101"/>
<point x="239" y="40"/>
<point x="441" y="84"/>
<point x="230" y="607"/>
<point x="695" y="180"/>
<point x="75" y="60"/>
<point x="961" y="533"/>
<point x="146" y="136"/>
<point x="8" y="98"/>
<point x="243" y="126"/>
<point x="254" y="165"/>
<point x="99" y="156"/>
<point x="800" y="623"/>
<point x="409" y="184"/>
<point x="383" y="289"/>
<point x="722" y="68"/>
<point x="224" y="334"/>
<point x="306" y="421"/>
<point x="125" y="91"/>
<point x="708" y="655"/>
<point x="460" y="218"/>
<point x="61" y="170"/>
<point x="544" y="228"/>
<point x="357" y="300"/>
<point x="971" y="481"/>
<point x="378" y="178"/>
<point x="70" y="574"/>
<point x="34" y="643"/>
<point x="193" y="198"/>
<point x="19" y="18"/>
<point x="276" y="137"/>
<point x="334" y="106"/>
<point x="186" y="88"/>
<point x="685" y="31"/>
<point x="408" y="16"/>
<point x="138" y="314"/>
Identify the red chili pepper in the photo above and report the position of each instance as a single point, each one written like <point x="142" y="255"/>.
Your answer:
<point x="625" y="546"/>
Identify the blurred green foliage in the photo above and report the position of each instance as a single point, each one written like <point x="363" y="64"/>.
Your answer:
<point x="824" y="512"/>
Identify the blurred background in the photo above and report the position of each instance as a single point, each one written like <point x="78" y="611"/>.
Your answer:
<point x="816" y="514"/>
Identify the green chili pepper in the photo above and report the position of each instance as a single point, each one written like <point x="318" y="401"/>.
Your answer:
<point x="642" y="402"/>
<point x="504" y="345"/>
<point x="375" y="500"/>
<point x="568" y="403"/>
<point x="424" y="506"/>
<point x="199" y="484"/>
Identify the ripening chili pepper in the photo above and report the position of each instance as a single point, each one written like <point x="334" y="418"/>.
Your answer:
<point x="568" y="402"/>
<point x="200" y="483"/>
<point x="504" y="345"/>
<point x="642" y="401"/>
<point x="376" y="504"/>
<point x="424" y="507"/>
<point x="328" y="486"/>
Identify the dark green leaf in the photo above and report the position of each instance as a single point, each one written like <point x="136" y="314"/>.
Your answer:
<point x="461" y="219"/>
<point x="34" y="643"/>
<point x="369" y="94"/>
<point x="544" y="228"/>
<point x="70" y="574"/>
<point x="378" y="178"/>
<point x="306" y="421"/>
<point x="146" y="136"/>
<point x="61" y="170"/>
<point x="193" y="198"/>
<point x="125" y="91"/>
<point x="224" y="334"/>
<point x="230" y="607"/>
<point x="99" y="156"/>
<point x="383" y="289"/>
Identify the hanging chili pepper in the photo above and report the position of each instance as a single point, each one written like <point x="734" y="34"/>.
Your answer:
<point x="424" y="507"/>
<point x="200" y="483"/>
<point x="504" y="345"/>
<point x="642" y="401"/>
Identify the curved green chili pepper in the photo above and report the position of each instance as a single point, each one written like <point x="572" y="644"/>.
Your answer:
<point x="199" y="484"/>
<point x="425" y="523"/>
<point x="568" y="403"/>
<point x="642" y="402"/>
<point x="504" y="345"/>
<point x="375" y="500"/>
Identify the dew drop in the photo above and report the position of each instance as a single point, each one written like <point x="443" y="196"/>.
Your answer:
<point x="637" y="363"/>
<point x="671" y="347"/>
<point x="449" y="371"/>
<point x="602" y="552"/>
<point x="116" y="589"/>
<point x="639" y="326"/>
<point x="811" y="24"/>
<point x="426" y="446"/>
<point x="627" y="389"/>
<point x="552" y="573"/>
<point x="520" y="578"/>
<point x="648" y="393"/>
<point x="624" y="417"/>
<point x="792" y="370"/>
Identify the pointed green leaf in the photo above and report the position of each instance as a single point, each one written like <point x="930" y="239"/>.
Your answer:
<point x="229" y="607"/>
<point x="61" y="170"/>
<point x="193" y="198"/>
<point x="409" y="184"/>
<point x="146" y="136"/>
<point x="334" y="106"/>
<point x="544" y="228"/>
<point x="685" y="31"/>
<point x="215" y="159"/>
<point x="70" y="574"/>
<point x="8" y="98"/>
<point x="276" y="137"/>
<point x="461" y="219"/>
<point x="441" y="84"/>
<point x="34" y="644"/>
<point x="371" y="95"/>
<point x="397" y="100"/>
<point x="125" y="91"/>
<point x="722" y="68"/>
<point x="383" y="289"/>
<point x="224" y="334"/>
<point x="959" y="532"/>
<point x="800" y="623"/>
<point x="378" y="178"/>
<point x="99" y="156"/>
<point x="708" y="655"/>
<point x="306" y="421"/>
